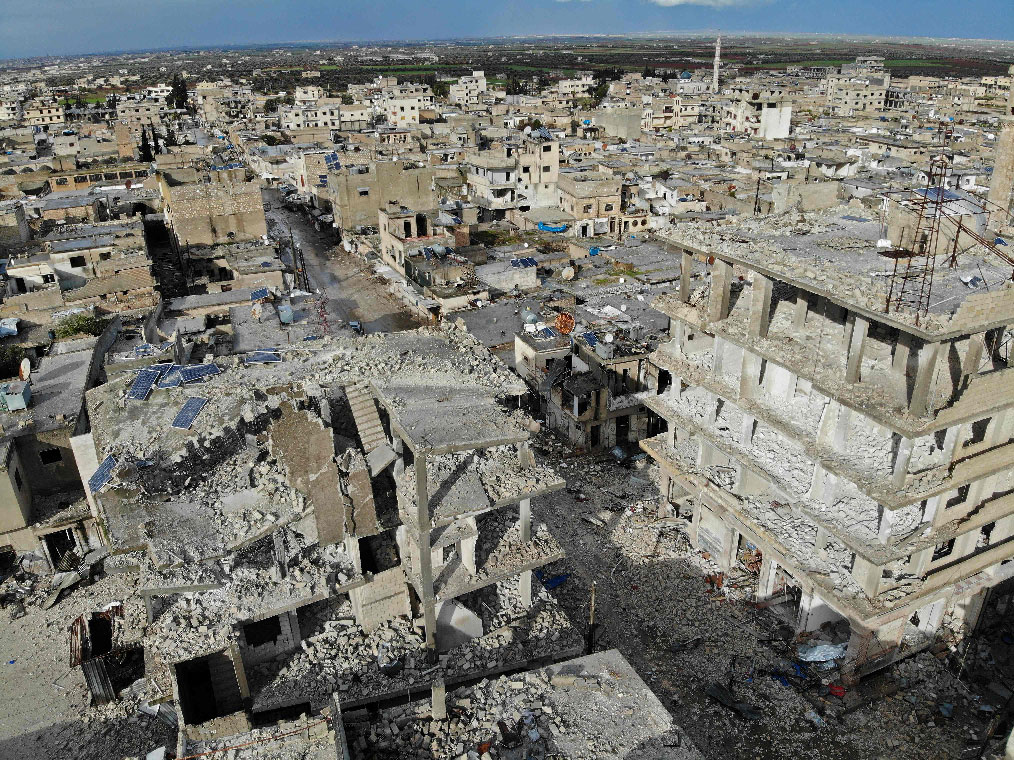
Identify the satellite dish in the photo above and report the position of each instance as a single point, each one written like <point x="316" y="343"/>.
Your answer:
<point x="609" y="337"/>
<point x="528" y="130"/>
<point x="567" y="273"/>
<point x="25" y="370"/>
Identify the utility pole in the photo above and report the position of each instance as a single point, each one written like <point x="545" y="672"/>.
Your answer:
<point x="592" y="626"/>
<point x="756" y="199"/>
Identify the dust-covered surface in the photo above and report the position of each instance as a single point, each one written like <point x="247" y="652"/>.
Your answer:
<point x="658" y="604"/>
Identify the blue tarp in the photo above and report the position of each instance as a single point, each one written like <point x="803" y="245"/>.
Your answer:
<point x="593" y="251"/>
<point x="543" y="227"/>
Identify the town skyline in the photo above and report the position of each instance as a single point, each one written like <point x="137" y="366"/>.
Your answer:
<point x="112" y="26"/>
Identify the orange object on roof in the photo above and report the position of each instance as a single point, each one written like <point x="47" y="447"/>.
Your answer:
<point x="565" y="323"/>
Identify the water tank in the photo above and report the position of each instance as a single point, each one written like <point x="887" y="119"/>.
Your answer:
<point x="529" y="317"/>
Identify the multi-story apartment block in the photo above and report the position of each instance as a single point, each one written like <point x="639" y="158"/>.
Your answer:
<point x="39" y="114"/>
<point x="468" y="90"/>
<point x="858" y="460"/>
<point x="763" y="114"/>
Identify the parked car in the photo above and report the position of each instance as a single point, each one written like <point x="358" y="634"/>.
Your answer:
<point x="357" y="328"/>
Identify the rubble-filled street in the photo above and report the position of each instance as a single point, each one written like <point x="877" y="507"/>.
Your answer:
<point x="658" y="603"/>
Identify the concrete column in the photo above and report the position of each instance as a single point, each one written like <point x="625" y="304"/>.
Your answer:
<point x="749" y="375"/>
<point x="760" y="306"/>
<point x="399" y="463"/>
<point x="438" y="700"/>
<point x="928" y="354"/>
<point x="973" y="356"/>
<point x="526" y="520"/>
<point x="686" y="271"/>
<point x="901" y="461"/>
<point x="860" y="329"/>
<point x="919" y="562"/>
<point x="705" y="453"/>
<point x="746" y="430"/>
<point x="820" y="542"/>
<point x="841" y="429"/>
<point x="951" y="441"/>
<point x="867" y="575"/>
<point x="887" y="521"/>
<point x="721" y="284"/>
<point x="466" y="550"/>
<point x="800" y="309"/>
<point x="830" y="489"/>
<point x="932" y="508"/>
<point x="87" y="461"/>
<point x="525" y="588"/>
<point x="766" y="579"/>
<point x="717" y="355"/>
<point x="425" y="558"/>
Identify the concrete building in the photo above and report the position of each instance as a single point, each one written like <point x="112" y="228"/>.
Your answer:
<point x="359" y="191"/>
<point x="763" y="114"/>
<point x="468" y="90"/>
<point x="810" y="428"/>
<point x="39" y="114"/>
<point x="226" y="209"/>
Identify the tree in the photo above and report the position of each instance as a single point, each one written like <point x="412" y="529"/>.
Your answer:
<point x="170" y="137"/>
<point x="271" y="105"/>
<point x="80" y="324"/>
<point x="156" y="148"/>
<point x="347" y="100"/>
<point x="177" y="97"/>
<point x="10" y="360"/>
<point x="144" y="153"/>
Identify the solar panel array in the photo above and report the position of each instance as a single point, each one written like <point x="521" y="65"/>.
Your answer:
<point x="548" y="332"/>
<point x="527" y="261"/>
<point x="102" y="475"/>
<point x="332" y="161"/>
<point x="143" y="383"/>
<point x="590" y="338"/>
<point x="186" y="416"/>
<point x="258" y="294"/>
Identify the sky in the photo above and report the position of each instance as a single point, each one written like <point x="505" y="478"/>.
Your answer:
<point x="54" y="27"/>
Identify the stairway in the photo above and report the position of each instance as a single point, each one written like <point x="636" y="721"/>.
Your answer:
<point x="364" y="410"/>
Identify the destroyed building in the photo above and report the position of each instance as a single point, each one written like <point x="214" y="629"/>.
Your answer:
<point x="343" y="521"/>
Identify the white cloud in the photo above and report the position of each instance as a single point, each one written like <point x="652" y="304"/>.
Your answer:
<point x="709" y="3"/>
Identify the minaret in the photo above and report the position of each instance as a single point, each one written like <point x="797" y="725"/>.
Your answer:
<point x="718" y="62"/>
<point x="1001" y="186"/>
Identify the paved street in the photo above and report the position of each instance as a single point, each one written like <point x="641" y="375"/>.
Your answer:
<point x="356" y="293"/>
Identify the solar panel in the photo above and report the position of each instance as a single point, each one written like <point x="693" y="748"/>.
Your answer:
<point x="259" y="294"/>
<point x="590" y="338"/>
<point x="102" y="475"/>
<point x="194" y="372"/>
<point x="547" y="332"/>
<point x="186" y="416"/>
<point x="171" y="378"/>
<point x="529" y="261"/>
<point x="263" y="357"/>
<point x="143" y="383"/>
<point x="515" y="263"/>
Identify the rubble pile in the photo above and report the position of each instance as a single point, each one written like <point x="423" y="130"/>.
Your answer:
<point x="658" y="602"/>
